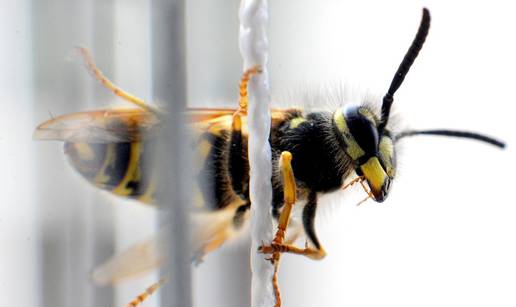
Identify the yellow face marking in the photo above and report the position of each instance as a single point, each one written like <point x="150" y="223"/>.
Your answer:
<point x="374" y="173"/>
<point x="84" y="151"/>
<point x="386" y="154"/>
<point x="109" y="159"/>
<point x="131" y="172"/>
<point x="354" y="150"/>
<point x="295" y="122"/>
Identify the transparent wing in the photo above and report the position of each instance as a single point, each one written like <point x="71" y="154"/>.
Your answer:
<point x="101" y="126"/>
<point x="120" y="125"/>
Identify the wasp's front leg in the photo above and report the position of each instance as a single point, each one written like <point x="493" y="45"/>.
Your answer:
<point x="309" y="211"/>
<point x="243" y="95"/>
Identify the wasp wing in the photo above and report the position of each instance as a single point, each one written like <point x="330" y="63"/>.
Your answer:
<point x="120" y="125"/>
<point x="136" y="260"/>
<point x="113" y="125"/>
<point x="100" y="126"/>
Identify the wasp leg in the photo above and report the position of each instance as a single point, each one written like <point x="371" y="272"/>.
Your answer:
<point x="289" y="199"/>
<point x="312" y="253"/>
<point x="238" y="165"/>
<point x="289" y="195"/>
<point x="308" y="224"/>
<point x="90" y="64"/>
<point x="146" y="294"/>
<point x="244" y="81"/>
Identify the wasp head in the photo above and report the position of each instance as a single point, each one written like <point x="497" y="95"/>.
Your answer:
<point x="370" y="148"/>
<point x="365" y="138"/>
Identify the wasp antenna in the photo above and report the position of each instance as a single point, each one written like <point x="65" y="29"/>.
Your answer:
<point x="404" y="67"/>
<point x="452" y="133"/>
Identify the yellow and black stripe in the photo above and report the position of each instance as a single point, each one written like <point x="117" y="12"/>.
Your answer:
<point x="116" y="167"/>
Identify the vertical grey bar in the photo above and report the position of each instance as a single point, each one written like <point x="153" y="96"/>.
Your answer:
<point x="60" y="87"/>
<point x="214" y="69"/>
<point x="101" y="217"/>
<point x="76" y="229"/>
<point x="169" y="89"/>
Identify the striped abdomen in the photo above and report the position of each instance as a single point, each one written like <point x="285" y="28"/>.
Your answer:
<point x="116" y="167"/>
<point x="222" y="170"/>
<point x="124" y="169"/>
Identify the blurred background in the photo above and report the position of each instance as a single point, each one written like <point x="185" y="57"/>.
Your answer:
<point x="445" y="236"/>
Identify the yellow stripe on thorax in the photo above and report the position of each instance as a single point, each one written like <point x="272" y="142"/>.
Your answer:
<point x="131" y="172"/>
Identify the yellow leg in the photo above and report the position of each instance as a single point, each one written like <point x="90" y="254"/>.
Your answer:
<point x="311" y="253"/>
<point x="90" y="64"/>
<point x="146" y="294"/>
<point x="289" y="192"/>
<point x="244" y="81"/>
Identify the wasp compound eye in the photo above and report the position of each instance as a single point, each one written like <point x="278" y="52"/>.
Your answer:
<point x="372" y="153"/>
<point x="358" y="132"/>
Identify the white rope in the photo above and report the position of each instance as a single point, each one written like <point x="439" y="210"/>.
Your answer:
<point x="253" y="47"/>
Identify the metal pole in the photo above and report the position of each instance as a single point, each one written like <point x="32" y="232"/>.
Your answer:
<point x="76" y="233"/>
<point x="169" y="89"/>
<point x="59" y="88"/>
<point x="100" y="223"/>
<point x="214" y="68"/>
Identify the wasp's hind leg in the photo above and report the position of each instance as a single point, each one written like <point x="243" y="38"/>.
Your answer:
<point x="146" y="294"/>
<point x="90" y="64"/>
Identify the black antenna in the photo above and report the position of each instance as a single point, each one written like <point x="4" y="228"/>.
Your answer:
<point x="404" y="67"/>
<point x="460" y="134"/>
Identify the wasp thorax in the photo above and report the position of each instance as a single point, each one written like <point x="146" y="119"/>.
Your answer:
<point x="371" y="151"/>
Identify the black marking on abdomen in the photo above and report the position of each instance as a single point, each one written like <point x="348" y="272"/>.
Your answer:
<point x="90" y="169"/>
<point x="145" y="169"/>
<point x="213" y="178"/>
<point x="238" y="165"/>
<point x="117" y="169"/>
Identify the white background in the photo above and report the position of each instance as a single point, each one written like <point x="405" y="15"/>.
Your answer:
<point x="446" y="234"/>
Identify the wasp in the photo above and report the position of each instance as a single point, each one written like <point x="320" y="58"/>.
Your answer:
<point x="313" y="153"/>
